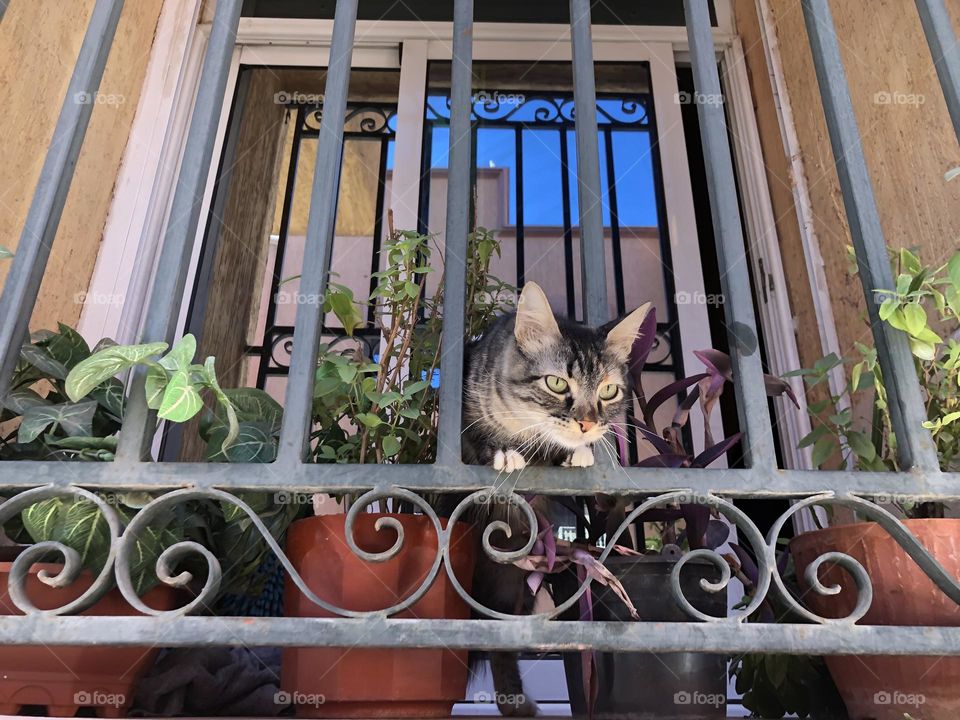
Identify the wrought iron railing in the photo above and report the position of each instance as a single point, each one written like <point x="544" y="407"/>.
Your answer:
<point x="33" y="481"/>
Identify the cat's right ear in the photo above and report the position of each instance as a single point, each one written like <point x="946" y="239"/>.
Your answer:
<point x="536" y="327"/>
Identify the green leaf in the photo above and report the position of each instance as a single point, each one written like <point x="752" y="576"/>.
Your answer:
<point x="887" y="307"/>
<point x="67" y="347"/>
<point x="342" y="305"/>
<point x="411" y="413"/>
<point x="811" y="437"/>
<point x="229" y="412"/>
<point x="106" y="363"/>
<point x="923" y="350"/>
<point x="915" y="318"/>
<point x="21" y="400"/>
<point x="897" y="320"/>
<point x="843" y="417"/>
<point x="856" y="374"/>
<point x="5" y="254"/>
<point x="85" y="443"/>
<point x="413" y="388"/>
<point x="41" y="519"/>
<point x="818" y="407"/>
<point x="155" y="385"/>
<point x="181" y="355"/>
<point x="110" y="397"/>
<point x="909" y="262"/>
<point x="181" y="401"/>
<point x="823" y="448"/>
<point x="83" y="527"/>
<point x="326" y="385"/>
<point x="952" y="296"/>
<point x="369" y="419"/>
<point x="254" y="443"/>
<point x="43" y="361"/>
<point x="953" y="271"/>
<point x="75" y="419"/>
<point x="347" y="373"/>
<point x="390" y="445"/>
<point x="950" y="417"/>
<point x="861" y="445"/>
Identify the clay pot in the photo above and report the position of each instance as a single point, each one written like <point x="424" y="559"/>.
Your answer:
<point x="886" y="687"/>
<point x="66" y="678"/>
<point x="354" y="683"/>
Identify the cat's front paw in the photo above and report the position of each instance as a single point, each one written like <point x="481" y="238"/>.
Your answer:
<point x="581" y="457"/>
<point x="516" y="706"/>
<point x="508" y="461"/>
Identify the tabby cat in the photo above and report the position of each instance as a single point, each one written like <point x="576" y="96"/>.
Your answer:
<point x="538" y="389"/>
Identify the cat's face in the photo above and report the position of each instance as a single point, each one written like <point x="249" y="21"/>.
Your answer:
<point x="571" y="381"/>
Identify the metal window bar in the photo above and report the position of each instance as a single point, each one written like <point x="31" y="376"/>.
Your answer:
<point x="42" y="480"/>
<point x="938" y="28"/>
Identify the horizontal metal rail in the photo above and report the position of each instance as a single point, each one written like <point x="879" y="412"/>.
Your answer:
<point x="525" y="634"/>
<point x="301" y="477"/>
<point x="290" y="474"/>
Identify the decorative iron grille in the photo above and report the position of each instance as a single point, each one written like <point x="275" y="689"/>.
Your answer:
<point x="33" y="481"/>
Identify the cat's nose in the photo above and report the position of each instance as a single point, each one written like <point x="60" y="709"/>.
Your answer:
<point x="586" y="425"/>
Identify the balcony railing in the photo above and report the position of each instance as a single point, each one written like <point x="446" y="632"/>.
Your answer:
<point x="133" y="468"/>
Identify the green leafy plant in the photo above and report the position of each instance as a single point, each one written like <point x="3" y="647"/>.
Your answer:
<point x="925" y="305"/>
<point x="66" y="402"/>
<point x="384" y="408"/>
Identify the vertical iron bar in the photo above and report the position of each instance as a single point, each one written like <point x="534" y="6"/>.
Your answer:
<point x="455" y="237"/>
<point x="914" y="444"/>
<point x="298" y="403"/>
<point x="942" y="39"/>
<point x="170" y="277"/>
<point x="567" y="224"/>
<point x="518" y="150"/>
<point x="614" y="222"/>
<point x="593" y="265"/>
<point x="33" y="251"/>
<point x="741" y="324"/>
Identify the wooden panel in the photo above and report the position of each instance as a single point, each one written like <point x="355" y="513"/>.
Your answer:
<point x="907" y="137"/>
<point x="39" y="43"/>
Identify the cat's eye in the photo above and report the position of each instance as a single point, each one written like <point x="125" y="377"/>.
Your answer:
<point x="609" y="391"/>
<point x="556" y="384"/>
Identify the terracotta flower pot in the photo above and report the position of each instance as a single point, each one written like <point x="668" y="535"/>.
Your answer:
<point x="882" y="687"/>
<point x="66" y="678"/>
<point x="352" y="683"/>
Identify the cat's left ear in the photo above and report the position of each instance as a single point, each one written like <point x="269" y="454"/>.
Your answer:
<point x="621" y="336"/>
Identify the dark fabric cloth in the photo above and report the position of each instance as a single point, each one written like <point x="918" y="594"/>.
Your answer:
<point x="212" y="681"/>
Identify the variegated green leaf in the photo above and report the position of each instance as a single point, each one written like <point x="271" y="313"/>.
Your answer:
<point x="85" y="529"/>
<point x="181" y="354"/>
<point x="67" y="347"/>
<point x="181" y="401"/>
<point x="102" y="365"/>
<point x="254" y="443"/>
<point x="22" y="399"/>
<point x="156" y="384"/>
<point x="43" y="361"/>
<point x="40" y="520"/>
<point x="110" y="396"/>
<point x="233" y="425"/>
<point x="75" y="419"/>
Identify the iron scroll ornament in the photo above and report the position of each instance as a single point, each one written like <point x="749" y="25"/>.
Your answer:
<point x="123" y="542"/>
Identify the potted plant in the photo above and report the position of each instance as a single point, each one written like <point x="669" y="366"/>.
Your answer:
<point x="66" y="403"/>
<point x="677" y="685"/>
<point x="926" y="306"/>
<point x="383" y="409"/>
